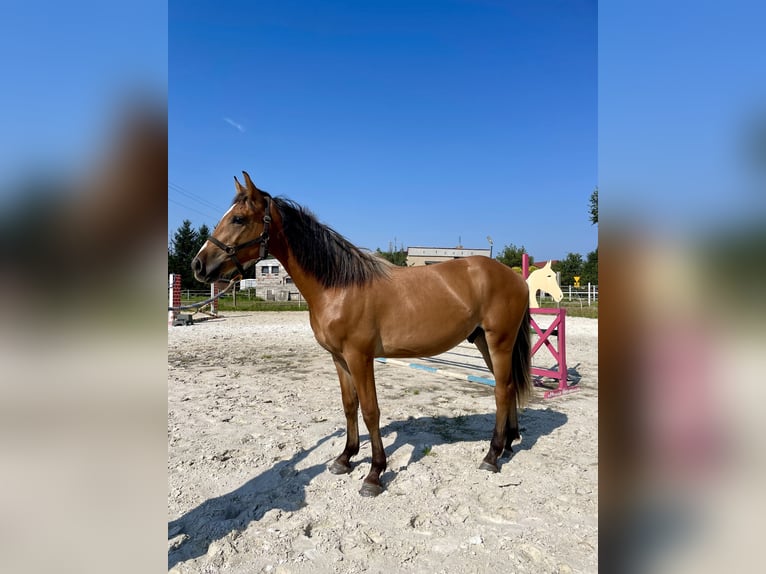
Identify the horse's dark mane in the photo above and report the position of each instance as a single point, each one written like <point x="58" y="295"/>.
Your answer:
<point x="323" y="252"/>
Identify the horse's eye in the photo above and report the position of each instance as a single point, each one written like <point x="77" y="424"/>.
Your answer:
<point x="238" y="220"/>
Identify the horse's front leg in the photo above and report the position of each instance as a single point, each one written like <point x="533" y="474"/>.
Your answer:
<point x="342" y="464"/>
<point x="363" y="376"/>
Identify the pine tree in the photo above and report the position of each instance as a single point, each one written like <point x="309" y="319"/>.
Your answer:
<point x="202" y="234"/>
<point x="185" y="246"/>
<point x="593" y="207"/>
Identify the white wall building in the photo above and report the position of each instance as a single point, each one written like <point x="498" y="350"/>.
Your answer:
<point x="272" y="282"/>
<point x="431" y="255"/>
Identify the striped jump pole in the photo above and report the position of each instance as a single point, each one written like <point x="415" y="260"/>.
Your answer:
<point x="438" y="371"/>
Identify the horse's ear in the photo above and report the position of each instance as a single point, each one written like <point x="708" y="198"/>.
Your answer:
<point x="253" y="194"/>
<point x="238" y="186"/>
<point x="252" y="191"/>
<point x="548" y="265"/>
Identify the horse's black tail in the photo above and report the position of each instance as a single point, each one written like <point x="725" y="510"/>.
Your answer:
<point x="521" y="361"/>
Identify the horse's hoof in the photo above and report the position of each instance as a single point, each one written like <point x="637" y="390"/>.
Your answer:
<point x="488" y="466"/>
<point x="339" y="468"/>
<point x="370" y="489"/>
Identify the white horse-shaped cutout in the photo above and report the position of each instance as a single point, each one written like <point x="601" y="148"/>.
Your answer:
<point x="543" y="279"/>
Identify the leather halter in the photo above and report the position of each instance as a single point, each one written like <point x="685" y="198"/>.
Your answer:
<point x="263" y="239"/>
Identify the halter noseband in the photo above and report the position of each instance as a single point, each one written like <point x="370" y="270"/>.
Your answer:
<point x="263" y="239"/>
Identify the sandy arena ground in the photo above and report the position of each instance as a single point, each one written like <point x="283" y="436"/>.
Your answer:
<point x="255" y="416"/>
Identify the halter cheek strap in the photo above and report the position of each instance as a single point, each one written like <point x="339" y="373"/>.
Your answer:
<point x="263" y="239"/>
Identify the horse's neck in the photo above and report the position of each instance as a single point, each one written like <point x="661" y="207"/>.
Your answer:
<point x="306" y="283"/>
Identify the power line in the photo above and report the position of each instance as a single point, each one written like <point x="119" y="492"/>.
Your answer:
<point x="190" y="208"/>
<point x="205" y="208"/>
<point x="199" y="199"/>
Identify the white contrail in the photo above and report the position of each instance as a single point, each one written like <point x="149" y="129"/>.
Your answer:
<point x="231" y="122"/>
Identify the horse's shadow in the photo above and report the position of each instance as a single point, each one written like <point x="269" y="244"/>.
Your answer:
<point x="424" y="433"/>
<point x="283" y="486"/>
<point x="573" y="377"/>
<point x="276" y="488"/>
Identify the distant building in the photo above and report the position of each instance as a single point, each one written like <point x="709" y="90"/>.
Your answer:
<point x="272" y="282"/>
<point x="431" y="255"/>
<point x="271" y="273"/>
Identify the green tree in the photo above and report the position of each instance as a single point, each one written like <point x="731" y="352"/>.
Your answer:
<point x="396" y="257"/>
<point x="185" y="245"/>
<point x="590" y="269"/>
<point x="171" y="261"/>
<point x="202" y="234"/>
<point x="570" y="267"/>
<point x="511" y="255"/>
<point x="593" y="207"/>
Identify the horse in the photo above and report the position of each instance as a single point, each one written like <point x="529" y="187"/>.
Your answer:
<point x="362" y="307"/>
<point x="543" y="279"/>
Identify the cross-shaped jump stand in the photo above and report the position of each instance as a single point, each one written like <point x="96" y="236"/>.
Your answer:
<point x="544" y="335"/>
<point x="555" y="330"/>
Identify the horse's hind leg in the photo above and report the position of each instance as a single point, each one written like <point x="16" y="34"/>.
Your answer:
<point x="342" y="464"/>
<point x="512" y="424"/>
<point x="498" y="359"/>
<point x="512" y="421"/>
<point x="480" y="339"/>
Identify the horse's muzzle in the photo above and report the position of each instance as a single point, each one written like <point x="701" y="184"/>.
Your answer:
<point x="210" y="270"/>
<point x="200" y="271"/>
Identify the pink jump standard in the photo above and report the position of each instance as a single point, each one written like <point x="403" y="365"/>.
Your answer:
<point x="556" y="329"/>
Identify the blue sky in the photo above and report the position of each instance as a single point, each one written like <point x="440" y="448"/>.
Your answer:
<point x="68" y="68"/>
<point x="428" y="123"/>
<point x="680" y="85"/>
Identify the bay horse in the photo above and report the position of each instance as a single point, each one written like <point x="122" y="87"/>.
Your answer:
<point x="362" y="307"/>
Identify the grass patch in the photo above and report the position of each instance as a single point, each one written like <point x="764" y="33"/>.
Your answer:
<point x="226" y="303"/>
<point x="574" y="308"/>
